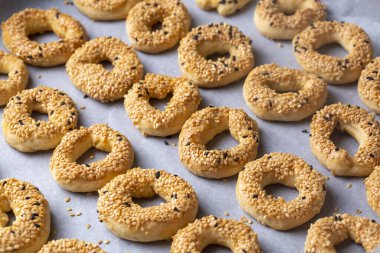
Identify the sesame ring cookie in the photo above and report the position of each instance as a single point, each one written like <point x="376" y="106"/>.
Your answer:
<point x="88" y="74"/>
<point x="31" y="228"/>
<point x="358" y="123"/>
<point x="90" y="177"/>
<point x="130" y="221"/>
<point x="18" y="28"/>
<point x="105" y="9"/>
<point x="333" y="70"/>
<point x="202" y="127"/>
<point x="372" y="184"/>
<point x="288" y="170"/>
<point x="224" y="7"/>
<point x="232" y="234"/>
<point x="26" y="134"/>
<point x="272" y="20"/>
<point x="18" y="76"/>
<point x="69" y="246"/>
<point x="368" y="85"/>
<point x="283" y="94"/>
<point x="169" y="16"/>
<point x="151" y="121"/>
<point x="327" y="232"/>
<point x="207" y="40"/>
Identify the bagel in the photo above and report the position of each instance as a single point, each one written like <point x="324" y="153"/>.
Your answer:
<point x="333" y="70"/>
<point x="151" y="121"/>
<point x="70" y="246"/>
<point x="93" y="79"/>
<point x="368" y="85"/>
<point x="207" y="40"/>
<point x="358" y="123"/>
<point x="282" y="94"/>
<point x="32" y="21"/>
<point x="202" y="127"/>
<point x="232" y="234"/>
<point x="130" y="221"/>
<point x="288" y="170"/>
<point x="372" y="184"/>
<point x="31" y="228"/>
<point x="224" y="8"/>
<point x="327" y="232"/>
<point x="26" y="134"/>
<point x="282" y="19"/>
<point x="105" y="9"/>
<point x="173" y="17"/>
<point x="18" y="76"/>
<point x="90" y="177"/>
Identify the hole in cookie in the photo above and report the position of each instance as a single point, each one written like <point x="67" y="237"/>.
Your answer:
<point x="45" y="37"/>
<point x="106" y="65"/>
<point x="3" y="76"/>
<point x="345" y="141"/>
<point x="92" y="155"/>
<point x="349" y="246"/>
<point x="283" y="88"/>
<point x="10" y="216"/>
<point x="156" y="200"/>
<point x="218" y="56"/>
<point x="39" y="116"/>
<point x="214" y="50"/>
<point x="216" y="248"/>
<point x="156" y="26"/>
<point x="223" y="140"/>
<point x="160" y="104"/>
<point x="280" y="190"/>
<point x="333" y="49"/>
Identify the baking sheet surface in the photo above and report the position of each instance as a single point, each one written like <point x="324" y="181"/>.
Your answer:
<point x="215" y="197"/>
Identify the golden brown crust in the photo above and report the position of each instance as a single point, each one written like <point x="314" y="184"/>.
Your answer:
<point x="175" y="23"/>
<point x="360" y="125"/>
<point x="206" y="40"/>
<point x="333" y="69"/>
<point x="372" y="184"/>
<point x="31" y="229"/>
<point x="70" y="246"/>
<point x="301" y="94"/>
<point x="93" y="79"/>
<point x="291" y="171"/>
<point x="90" y="177"/>
<point x="151" y="121"/>
<point x="18" y="76"/>
<point x="26" y="134"/>
<point x="203" y="126"/>
<point x="30" y="21"/>
<point x="130" y="221"/>
<point x="235" y="235"/>
<point x="224" y="8"/>
<point x="368" y="85"/>
<point x="329" y="231"/>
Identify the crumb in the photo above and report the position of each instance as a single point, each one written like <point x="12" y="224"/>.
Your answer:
<point x="226" y="213"/>
<point x="280" y="45"/>
<point x="349" y="186"/>
<point x="82" y="107"/>
<point x="67" y="199"/>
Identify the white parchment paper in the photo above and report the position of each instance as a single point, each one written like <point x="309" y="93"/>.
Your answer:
<point x="215" y="197"/>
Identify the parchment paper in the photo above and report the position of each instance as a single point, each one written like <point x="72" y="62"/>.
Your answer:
<point x="215" y="197"/>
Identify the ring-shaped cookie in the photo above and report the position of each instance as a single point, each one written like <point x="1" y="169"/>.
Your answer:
<point x="31" y="228"/>
<point x="368" y="85"/>
<point x="88" y="74"/>
<point x="130" y="221"/>
<point x="207" y="40"/>
<point x="232" y="234"/>
<point x="358" y="123"/>
<point x="333" y="70"/>
<point x="288" y="170"/>
<point x="372" y="184"/>
<point x="70" y="246"/>
<point x="105" y="9"/>
<point x="155" y="26"/>
<point x="18" y="28"/>
<point x="18" y="76"/>
<point x="151" y="121"/>
<point x="26" y="134"/>
<point x="202" y="127"/>
<point x="282" y="19"/>
<point x="224" y="7"/>
<point x="90" y="177"/>
<point x="327" y="232"/>
<point x="283" y="94"/>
